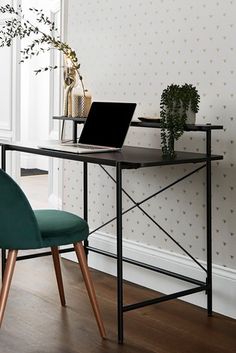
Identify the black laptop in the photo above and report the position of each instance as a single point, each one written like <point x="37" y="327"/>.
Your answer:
<point x="104" y="130"/>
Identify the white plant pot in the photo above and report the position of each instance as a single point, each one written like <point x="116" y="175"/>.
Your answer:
<point x="191" y="116"/>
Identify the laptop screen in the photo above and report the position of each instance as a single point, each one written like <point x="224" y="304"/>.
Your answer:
<point x="107" y="124"/>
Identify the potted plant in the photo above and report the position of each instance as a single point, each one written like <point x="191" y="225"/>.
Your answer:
<point x="177" y="103"/>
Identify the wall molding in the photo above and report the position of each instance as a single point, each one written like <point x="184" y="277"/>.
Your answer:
<point x="5" y="136"/>
<point x="224" y="279"/>
<point x="5" y="126"/>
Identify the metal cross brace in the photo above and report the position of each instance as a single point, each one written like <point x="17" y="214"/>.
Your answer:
<point x="138" y="204"/>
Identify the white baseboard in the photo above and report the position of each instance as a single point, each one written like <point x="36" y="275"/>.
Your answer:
<point x="224" y="279"/>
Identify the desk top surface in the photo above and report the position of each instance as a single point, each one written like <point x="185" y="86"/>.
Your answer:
<point x="128" y="157"/>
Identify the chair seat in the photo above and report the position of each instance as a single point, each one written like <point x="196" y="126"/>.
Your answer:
<point x="60" y="227"/>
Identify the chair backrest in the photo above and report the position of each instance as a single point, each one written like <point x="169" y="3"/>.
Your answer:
<point x="18" y="225"/>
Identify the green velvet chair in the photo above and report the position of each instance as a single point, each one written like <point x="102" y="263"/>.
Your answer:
<point x="22" y="228"/>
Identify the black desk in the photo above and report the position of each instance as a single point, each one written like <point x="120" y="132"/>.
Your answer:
<point x="133" y="158"/>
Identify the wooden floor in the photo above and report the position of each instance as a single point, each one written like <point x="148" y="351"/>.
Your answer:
<point x="36" y="323"/>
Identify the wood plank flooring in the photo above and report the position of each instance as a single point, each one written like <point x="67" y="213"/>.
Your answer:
<point x="36" y="323"/>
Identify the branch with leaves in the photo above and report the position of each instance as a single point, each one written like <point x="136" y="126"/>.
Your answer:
<point x="20" y="27"/>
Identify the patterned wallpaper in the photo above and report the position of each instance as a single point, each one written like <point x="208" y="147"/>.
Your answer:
<point x="130" y="50"/>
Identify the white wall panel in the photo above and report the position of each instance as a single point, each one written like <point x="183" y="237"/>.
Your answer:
<point x="5" y="88"/>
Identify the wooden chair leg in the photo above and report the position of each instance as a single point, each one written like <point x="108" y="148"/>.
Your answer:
<point x="57" y="266"/>
<point x="79" y="249"/>
<point x="8" y="273"/>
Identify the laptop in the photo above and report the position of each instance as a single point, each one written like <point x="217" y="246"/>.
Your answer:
<point x="104" y="130"/>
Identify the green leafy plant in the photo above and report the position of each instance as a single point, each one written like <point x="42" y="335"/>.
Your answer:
<point x="175" y="102"/>
<point x="20" y="27"/>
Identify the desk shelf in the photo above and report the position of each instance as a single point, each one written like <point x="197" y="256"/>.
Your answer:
<point x="157" y="125"/>
<point x="207" y="128"/>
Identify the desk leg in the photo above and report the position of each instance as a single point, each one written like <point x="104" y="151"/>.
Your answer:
<point x="75" y="131"/>
<point x="119" y="253"/>
<point x="3" y="261"/>
<point x="209" y="225"/>
<point x="3" y="161"/>
<point x="85" y="188"/>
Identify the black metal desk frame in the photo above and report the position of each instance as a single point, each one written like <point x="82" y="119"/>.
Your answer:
<point x="120" y="164"/>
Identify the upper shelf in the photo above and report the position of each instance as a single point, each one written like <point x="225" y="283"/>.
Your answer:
<point x="194" y="127"/>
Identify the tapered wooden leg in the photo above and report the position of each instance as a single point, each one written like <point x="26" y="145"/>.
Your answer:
<point x="79" y="249"/>
<point x="57" y="266"/>
<point x="8" y="273"/>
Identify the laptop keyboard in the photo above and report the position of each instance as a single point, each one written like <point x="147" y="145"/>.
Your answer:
<point x="90" y="147"/>
<point x="83" y="146"/>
